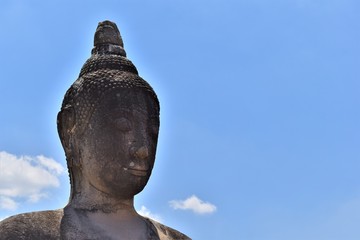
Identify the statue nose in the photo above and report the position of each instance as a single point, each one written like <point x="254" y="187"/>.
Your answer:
<point x="141" y="153"/>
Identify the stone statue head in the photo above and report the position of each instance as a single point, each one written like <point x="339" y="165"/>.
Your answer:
<point x="109" y="121"/>
<point x="108" y="125"/>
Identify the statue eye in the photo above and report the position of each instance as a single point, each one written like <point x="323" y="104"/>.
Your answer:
<point x="123" y="124"/>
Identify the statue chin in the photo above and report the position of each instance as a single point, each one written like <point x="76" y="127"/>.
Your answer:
<point x="123" y="185"/>
<point x="108" y="126"/>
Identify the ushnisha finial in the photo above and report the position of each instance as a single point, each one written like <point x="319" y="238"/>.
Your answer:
<point x="107" y="39"/>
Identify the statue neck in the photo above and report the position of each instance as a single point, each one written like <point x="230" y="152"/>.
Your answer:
<point x="89" y="198"/>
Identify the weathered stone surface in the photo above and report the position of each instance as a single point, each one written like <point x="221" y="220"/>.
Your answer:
<point x="108" y="126"/>
<point x="35" y="225"/>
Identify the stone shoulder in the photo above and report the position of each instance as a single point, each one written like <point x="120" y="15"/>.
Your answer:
<point x="34" y="225"/>
<point x="167" y="233"/>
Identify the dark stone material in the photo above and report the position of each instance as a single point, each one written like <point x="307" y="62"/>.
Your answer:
<point x="108" y="126"/>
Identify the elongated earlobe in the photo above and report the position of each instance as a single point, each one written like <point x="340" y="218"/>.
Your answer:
<point x="66" y="124"/>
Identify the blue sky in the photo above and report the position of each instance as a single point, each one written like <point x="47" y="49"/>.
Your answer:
<point x="260" y="116"/>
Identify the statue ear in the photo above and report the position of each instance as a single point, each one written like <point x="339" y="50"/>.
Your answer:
<point x="65" y="125"/>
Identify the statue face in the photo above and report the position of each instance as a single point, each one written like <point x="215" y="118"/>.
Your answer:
<point x="119" y="144"/>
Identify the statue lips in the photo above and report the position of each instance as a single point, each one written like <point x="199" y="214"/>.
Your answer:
<point x="136" y="171"/>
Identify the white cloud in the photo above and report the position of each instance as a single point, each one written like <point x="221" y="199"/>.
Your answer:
<point x="26" y="177"/>
<point x="146" y="213"/>
<point x="50" y="164"/>
<point x="194" y="204"/>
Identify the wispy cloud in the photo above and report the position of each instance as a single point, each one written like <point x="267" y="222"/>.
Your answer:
<point x="194" y="204"/>
<point x="26" y="177"/>
<point x="8" y="203"/>
<point x="146" y="213"/>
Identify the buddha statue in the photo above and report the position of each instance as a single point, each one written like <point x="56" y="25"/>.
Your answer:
<point x="108" y="126"/>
